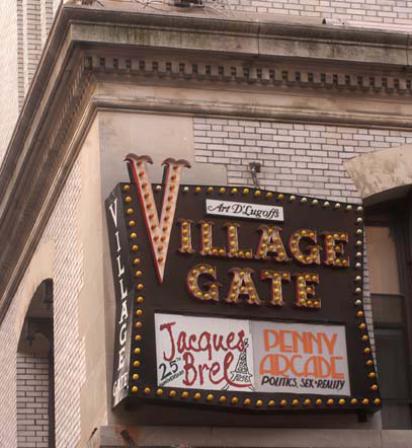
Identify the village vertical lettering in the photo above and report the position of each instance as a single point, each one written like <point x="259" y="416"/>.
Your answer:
<point x="117" y="231"/>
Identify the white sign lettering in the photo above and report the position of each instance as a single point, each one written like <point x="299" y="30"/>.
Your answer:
<point x="120" y="382"/>
<point x="244" y="210"/>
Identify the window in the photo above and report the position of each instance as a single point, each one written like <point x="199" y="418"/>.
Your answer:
<point x="388" y="246"/>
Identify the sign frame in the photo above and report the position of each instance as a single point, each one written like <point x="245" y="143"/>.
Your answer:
<point x="141" y="280"/>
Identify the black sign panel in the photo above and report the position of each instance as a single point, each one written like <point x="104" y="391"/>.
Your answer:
<point x="253" y="302"/>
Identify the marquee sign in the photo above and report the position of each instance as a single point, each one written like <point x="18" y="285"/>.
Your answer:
<point x="237" y="298"/>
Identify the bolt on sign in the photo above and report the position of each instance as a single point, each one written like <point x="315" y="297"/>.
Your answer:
<point x="237" y="298"/>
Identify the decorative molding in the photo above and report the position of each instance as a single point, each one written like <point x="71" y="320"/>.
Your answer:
<point x="255" y="73"/>
<point x="245" y="35"/>
<point x="40" y="181"/>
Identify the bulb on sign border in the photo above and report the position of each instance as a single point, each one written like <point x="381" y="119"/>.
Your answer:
<point x="230" y="245"/>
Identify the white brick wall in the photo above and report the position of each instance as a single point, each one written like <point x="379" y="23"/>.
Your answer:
<point x="20" y="54"/>
<point x="296" y="158"/>
<point x="9" y="106"/>
<point x="32" y="401"/>
<point x="32" y="45"/>
<point x="379" y="11"/>
<point x="56" y="4"/>
<point x="46" y="18"/>
<point x="63" y="230"/>
<point x="24" y="26"/>
<point x="8" y="393"/>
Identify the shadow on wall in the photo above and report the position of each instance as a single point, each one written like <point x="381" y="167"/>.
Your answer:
<point x="35" y="372"/>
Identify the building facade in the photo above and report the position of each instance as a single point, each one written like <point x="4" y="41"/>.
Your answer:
<point x="305" y="98"/>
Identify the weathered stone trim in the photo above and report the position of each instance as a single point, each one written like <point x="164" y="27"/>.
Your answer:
<point x="121" y="436"/>
<point x="251" y="35"/>
<point x="40" y="182"/>
<point x="215" y="104"/>
<point x="380" y="173"/>
<point x="255" y="73"/>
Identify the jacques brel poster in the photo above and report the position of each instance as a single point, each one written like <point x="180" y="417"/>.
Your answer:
<point x="242" y="355"/>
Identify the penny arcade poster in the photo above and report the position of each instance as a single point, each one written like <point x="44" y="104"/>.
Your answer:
<point x="237" y="298"/>
<point x="228" y="354"/>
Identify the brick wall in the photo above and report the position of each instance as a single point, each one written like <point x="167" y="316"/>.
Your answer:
<point x="31" y="39"/>
<point x="56" y="4"/>
<point x="8" y="393"/>
<point x="46" y="18"/>
<point x="67" y="276"/>
<point x="381" y="11"/>
<point x="20" y="54"/>
<point x="63" y="229"/>
<point x="32" y="377"/>
<point x="24" y="26"/>
<point x="9" y="107"/>
<point x="296" y="158"/>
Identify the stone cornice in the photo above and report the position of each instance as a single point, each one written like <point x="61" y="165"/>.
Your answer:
<point x="87" y="44"/>
<point x="35" y="186"/>
<point x="241" y="34"/>
<point x="269" y="74"/>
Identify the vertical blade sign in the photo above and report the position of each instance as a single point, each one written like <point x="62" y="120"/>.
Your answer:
<point x="158" y="229"/>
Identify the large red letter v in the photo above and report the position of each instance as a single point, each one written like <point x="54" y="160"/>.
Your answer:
<point x="158" y="229"/>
